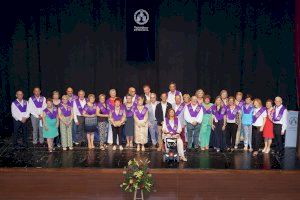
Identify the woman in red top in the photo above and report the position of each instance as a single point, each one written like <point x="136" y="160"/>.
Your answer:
<point x="268" y="128"/>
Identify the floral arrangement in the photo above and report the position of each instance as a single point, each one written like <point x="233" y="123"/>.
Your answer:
<point x="137" y="176"/>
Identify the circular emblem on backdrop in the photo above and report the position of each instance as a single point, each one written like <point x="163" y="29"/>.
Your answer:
<point x="293" y="121"/>
<point x="141" y="17"/>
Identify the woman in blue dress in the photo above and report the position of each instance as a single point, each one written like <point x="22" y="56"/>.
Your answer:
<point x="50" y="123"/>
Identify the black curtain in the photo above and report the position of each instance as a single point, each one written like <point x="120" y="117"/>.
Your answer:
<point x="214" y="45"/>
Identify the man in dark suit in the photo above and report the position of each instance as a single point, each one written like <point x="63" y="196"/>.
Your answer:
<point x="160" y="114"/>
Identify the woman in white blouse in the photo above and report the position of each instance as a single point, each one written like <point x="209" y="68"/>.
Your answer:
<point x="259" y="119"/>
<point x="172" y="129"/>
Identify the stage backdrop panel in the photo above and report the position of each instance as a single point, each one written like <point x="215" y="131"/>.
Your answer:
<point x="291" y="130"/>
<point x="237" y="45"/>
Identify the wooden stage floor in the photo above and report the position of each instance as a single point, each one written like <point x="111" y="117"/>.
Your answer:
<point x="75" y="184"/>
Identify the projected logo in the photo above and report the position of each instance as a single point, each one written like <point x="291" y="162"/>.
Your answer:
<point x="141" y="17"/>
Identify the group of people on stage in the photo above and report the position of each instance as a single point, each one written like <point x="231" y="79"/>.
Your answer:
<point x="193" y="120"/>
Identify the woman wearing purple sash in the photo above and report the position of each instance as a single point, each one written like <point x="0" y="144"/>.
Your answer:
<point x="50" y="123"/>
<point x="259" y="120"/>
<point x="140" y="124"/>
<point x="172" y="129"/>
<point x="205" y="129"/>
<point x="65" y="113"/>
<point x="117" y="118"/>
<point x="239" y="133"/>
<point x="224" y="97"/>
<point x="90" y="120"/>
<point x="56" y="103"/>
<point x="218" y="125"/>
<point x="200" y="96"/>
<point x="129" y="124"/>
<point x="232" y="113"/>
<point x="102" y="113"/>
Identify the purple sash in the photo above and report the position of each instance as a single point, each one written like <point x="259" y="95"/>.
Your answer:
<point x="176" y="92"/>
<point x="172" y="130"/>
<point x="192" y="112"/>
<point x="71" y="100"/>
<point x="279" y="115"/>
<point x="90" y="110"/>
<point x="79" y="106"/>
<point x="258" y="114"/>
<point x="180" y="109"/>
<point x="219" y="114"/>
<point x="66" y="111"/>
<point x="129" y="111"/>
<point x="207" y="111"/>
<point x="247" y="110"/>
<point x="223" y="102"/>
<point x="241" y="103"/>
<point x="38" y="102"/>
<point x="109" y="105"/>
<point x="51" y="115"/>
<point x="140" y="115"/>
<point x="115" y="116"/>
<point x="20" y="107"/>
<point x="104" y="110"/>
<point x="231" y="114"/>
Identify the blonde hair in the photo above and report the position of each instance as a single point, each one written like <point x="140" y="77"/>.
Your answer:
<point x="91" y="95"/>
<point x="65" y="96"/>
<point x="186" y="96"/>
<point x="258" y="101"/>
<point x="102" y="95"/>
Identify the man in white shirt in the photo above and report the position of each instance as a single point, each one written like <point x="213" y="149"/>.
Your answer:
<point x="36" y="106"/>
<point x="172" y="93"/>
<point x="193" y="115"/>
<point x="131" y="92"/>
<point x="151" y="118"/>
<point x="280" y="124"/>
<point x="78" y="106"/>
<point x="160" y="115"/>
<point x="147" y="93"/>
<point x="20" y="114"/>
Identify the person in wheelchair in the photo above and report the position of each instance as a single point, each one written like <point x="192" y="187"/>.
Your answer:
<point x="172" y="128"/>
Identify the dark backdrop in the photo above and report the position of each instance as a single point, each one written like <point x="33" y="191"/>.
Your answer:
<point x="237" y="45"/>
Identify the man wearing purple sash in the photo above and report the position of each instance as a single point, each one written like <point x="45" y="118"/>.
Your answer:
<point x="239" y="133"/>
<point x="179" y="106"/>
<point x="78" y="106"/>
<point x="131" y="92"/>
<point x="151" y="119"/>
<point x="172" y="93"/>
<point x="280" y="124"/>
<point x="20" y="115"/>
<point x="36" y="105"/>
<point x="71" y="98"/>
<point x="193" y="115"/>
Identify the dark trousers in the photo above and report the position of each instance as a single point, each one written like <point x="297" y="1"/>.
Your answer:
<point x="219" y="136"/>
<point x="256" y="138"/>
<point x="231" y="129"/>
<point x="80" y="135"/>
<point x="117" y="132"/>
<point x="278" y="138"/>
<point x="21" y="128"/>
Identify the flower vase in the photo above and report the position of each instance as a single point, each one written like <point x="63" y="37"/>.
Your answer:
<point x="141" y="195"/>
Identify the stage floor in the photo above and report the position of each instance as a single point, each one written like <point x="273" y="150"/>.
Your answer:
<point x="81" y="157"/>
